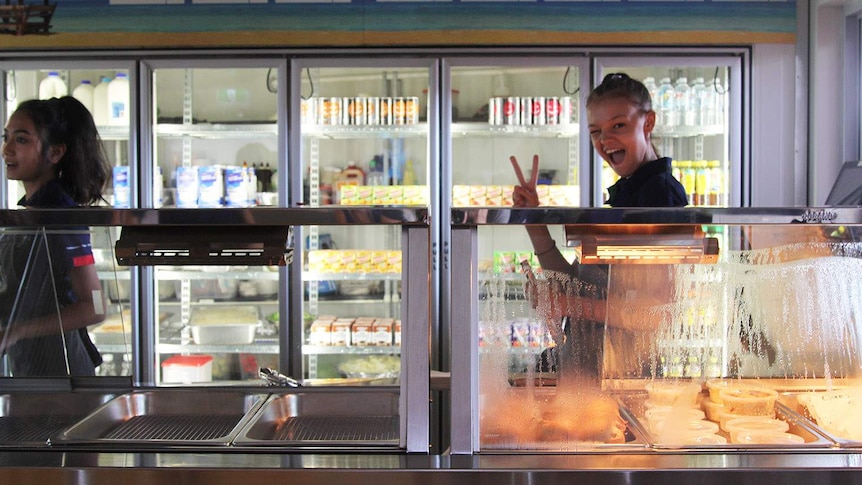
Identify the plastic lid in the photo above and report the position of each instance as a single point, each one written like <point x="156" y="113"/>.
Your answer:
<point x="106" y="79"/>
<point x="53" y="73"/>
<point x="85" y="81"/>
<point x="121" y="75"/>
<point x="188" y="360"/>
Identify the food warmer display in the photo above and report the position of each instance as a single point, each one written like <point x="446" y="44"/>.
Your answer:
<point x="727" y="338"/>
<point x="739" y="331"/>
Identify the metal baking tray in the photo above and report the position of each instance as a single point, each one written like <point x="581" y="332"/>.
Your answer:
<point x="181" y="417"/>
<point x="790" y="400"/>
<point x="29" y="419"/>
<point x="358" y="418"/>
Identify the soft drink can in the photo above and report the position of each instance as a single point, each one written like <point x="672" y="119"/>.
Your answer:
<point x="511" y="111"/>
<point x="566" y="116"/>
<point x="334" y="111"/>
<point x="527" y="111"/>
<point x="323" y="111"/>
<point x="399" y="110"/>
<point x="356" y="111"/>
<point x="386" y="111"/>
<point x="552" y="111"/>
<point x="372" y="110"/>
<point x="539" y="110"/>
<point x="308" y="108"/>
<point x="411" y="110"/>
<point x="495" y="111"/>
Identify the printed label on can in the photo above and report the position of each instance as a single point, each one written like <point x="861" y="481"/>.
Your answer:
<point x="495" y="111"/>
<point x="386" y="111"/>
<point x="356" y="111"/>
<point x="411" y="111"/>
<point x="566" y="113"/>
<point x="539" y="110"/>
<point x="372" y="110"/>
<point x="552" y="111"/>
<point x="526" y="111"/>
<point x="334" y="111"/>
<point x="399" y="110"/>
<point x="511" y="111"/>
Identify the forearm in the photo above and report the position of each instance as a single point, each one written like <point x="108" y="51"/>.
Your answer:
<point x="546" y="250"/>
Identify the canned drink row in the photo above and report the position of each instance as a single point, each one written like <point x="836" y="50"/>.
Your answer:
<point x="361" y="111"/>
<point x="531" y="110"/>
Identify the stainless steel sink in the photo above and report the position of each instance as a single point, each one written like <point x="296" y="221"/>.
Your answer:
<point x="360" y="418"/>
<point x="31" y="418"/>
<point x="165" y="417"/>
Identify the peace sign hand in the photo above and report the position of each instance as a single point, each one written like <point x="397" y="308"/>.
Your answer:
<point x="524" y="194"/>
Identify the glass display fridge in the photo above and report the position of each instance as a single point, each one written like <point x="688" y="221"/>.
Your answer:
<point x="104" y="87"/>
<point x="365" y="137"/>
<point x="216" y="141"/>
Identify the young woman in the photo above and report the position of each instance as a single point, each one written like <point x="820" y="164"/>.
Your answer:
<point x="52" y="292"/>
<point x="621" y="121"/>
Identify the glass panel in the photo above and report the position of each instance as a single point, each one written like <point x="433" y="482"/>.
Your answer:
<point x="51" y="292"/>
<point x="778" y="308"/>
<point x="113" y="336"/>
<point x="364" y="139"/>
<point x="692" y="127"/>
<point x="352" y="304"/>
<point x="105" y="92"/>
<point x="215" y="145"/>
<point x="503" y="111"/>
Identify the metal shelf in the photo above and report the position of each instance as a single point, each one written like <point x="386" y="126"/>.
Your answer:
<point x="367" y="131"/>
<point x="689" y="131"/>
<point x="313" y="276"/>
<point x="479" y="129"/>
<point x="350" y="350"/>
<point x="169" y="275"/>
<point x="260" y="346"/>
<point x="218" y="130"/>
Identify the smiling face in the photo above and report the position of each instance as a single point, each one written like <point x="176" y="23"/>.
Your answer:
<point x="620" y="132"/>
<point x="24" y="155"/>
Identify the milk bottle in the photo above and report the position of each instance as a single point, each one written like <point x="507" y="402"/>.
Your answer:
<point x="52" y="86"/>
<point x="121" y="186"/>
<point x="84" y="94"/>
<point x="100" y="102"/>
<point x="118" y="100"/>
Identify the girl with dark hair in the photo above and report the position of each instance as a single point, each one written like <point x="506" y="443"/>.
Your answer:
<point x="621" y="121"/>
<point x="52" y="292"/>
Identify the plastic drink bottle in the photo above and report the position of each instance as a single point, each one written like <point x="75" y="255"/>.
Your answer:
<point x="84" y="94"/>
<point x="667" y="103"/>
<point x="685" y="114"/>
<point x="52" y="86"/>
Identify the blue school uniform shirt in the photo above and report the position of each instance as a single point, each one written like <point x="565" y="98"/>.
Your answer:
<point x="652" y="185"/>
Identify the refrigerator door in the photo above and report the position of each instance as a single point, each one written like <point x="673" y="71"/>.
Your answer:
<point x="365" y="137"/>
<point x="495" y="108"/>
<point x="103" y="86"/>
<point x="699" y="103"/>
<point x="217" y="142"/>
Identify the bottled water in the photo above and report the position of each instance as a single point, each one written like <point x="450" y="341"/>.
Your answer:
<point x="84" y="94"/>
<point x="701" y="103"/>
<point x="685" y="113"/>
<point x="666" y="103"/>
<point x="52" y="86"/>
<point x="718" y="102"/>
<point x="653" y="91"/>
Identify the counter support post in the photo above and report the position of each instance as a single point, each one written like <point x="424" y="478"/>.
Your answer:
<point x="465" y="341"/>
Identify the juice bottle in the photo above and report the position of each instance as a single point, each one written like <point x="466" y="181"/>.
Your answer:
<point x="701" y="182"/>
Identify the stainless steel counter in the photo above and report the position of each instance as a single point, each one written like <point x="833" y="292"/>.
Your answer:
<point x="42" y="467"/>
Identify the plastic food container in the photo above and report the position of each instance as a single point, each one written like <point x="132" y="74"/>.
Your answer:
<point x="766" y="438"/>
<point x="713" y="410"/>
<point x="716" y="385"/>
<point x="673" y="393"/>
<point x="724" y="417"/>
<point x="185" y="369"/>
<point x="661" y="412"/>
<point x="749" y="400"/>
<point x="754" y="424"/>
<point x="683" y="426"/>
